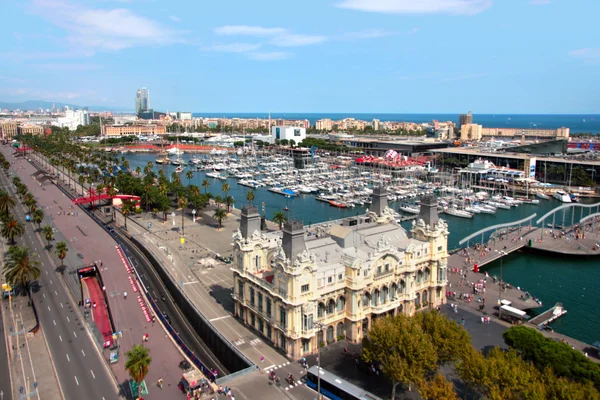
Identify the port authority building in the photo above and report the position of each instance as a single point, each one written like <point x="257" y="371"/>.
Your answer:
<point x="305" y="287"/>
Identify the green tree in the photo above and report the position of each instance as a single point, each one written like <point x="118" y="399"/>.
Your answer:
<point x="11" y="230"/>
<point x="404" y="352"/>
<point x="7" y="202"/>
<point x="61" y="252"/>
<point x="127" y="208"/>
<point x="250" y="196"/>
<point x="138" y="363"/>
<point x="182" y="204"/>
<point x="437" y="388"/>
<point x="279" y="218"/>
<point x="449" y="339"/>
<point x="218" y="200"/>
<point x="189" y="175"/>
<point x="21" y="267"/>
<point x="205" y="185"/>
<point x="38" y="217"/>
<point x="48" y="233"/>
<point x="220" y="215"/>
<point x="228" y="202"/>
<point x="225" y="188"/>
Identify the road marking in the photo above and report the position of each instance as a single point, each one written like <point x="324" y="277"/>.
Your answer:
<point x="93" y="374"/>
<point x="44" y="294"/>
<point x="76" y="381"/>
<point x="54" y="322"/>
<point x="46" y="272"/>
<point x="218" y="318"/>
<point x="60" y="337"/>
<point x="56" y="293"/>
<point x="82" y="352"/>
<point x="189" y="283"/>
<point x="74" y="334"/>
<point x="68" y="320"/>
<point x="51" y="281"/>
<point x="48" y="308"/>
<point x="68" y="359"/>
<point x="61" y="306"/>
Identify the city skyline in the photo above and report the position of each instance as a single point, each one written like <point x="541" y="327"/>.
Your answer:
<point x="346" y="56"/>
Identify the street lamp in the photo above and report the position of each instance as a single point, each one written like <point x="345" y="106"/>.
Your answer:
<point x="319" y="326"/>
<point x="194" y="215"/>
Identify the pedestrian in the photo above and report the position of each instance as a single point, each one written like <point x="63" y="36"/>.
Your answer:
<point x="94" y="304"/>
<point x="125" y="295"/>
<point x="160" y="383"/>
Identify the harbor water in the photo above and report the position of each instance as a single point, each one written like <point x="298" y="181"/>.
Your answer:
<point x="551" y="278"/>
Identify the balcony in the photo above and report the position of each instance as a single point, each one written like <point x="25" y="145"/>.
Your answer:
<point x="332" y="317"/>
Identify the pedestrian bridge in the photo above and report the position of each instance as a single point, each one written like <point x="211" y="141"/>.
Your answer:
<point x="495" y="228"/>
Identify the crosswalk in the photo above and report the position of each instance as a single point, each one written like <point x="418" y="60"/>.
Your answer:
<point x="253" y="342"/>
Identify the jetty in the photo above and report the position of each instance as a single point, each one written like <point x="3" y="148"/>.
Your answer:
<point x="549" y="315"/>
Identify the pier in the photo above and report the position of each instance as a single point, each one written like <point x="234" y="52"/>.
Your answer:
<point x="549" y="315"/>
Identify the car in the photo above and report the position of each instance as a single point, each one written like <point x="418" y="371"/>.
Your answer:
<point x="167" y="318"/>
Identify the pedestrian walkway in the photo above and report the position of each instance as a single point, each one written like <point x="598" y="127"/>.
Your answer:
<point x="30" y="362"/>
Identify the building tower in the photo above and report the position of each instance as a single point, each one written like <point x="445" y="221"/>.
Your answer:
<point x="464" y="119"/>
<point x="142" y="101"/>
<point x="379" y="200"/>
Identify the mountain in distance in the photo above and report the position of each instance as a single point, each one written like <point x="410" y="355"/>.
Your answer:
<point x="37" y="104"/>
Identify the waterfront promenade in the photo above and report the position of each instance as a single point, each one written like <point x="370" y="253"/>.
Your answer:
<point x="84" y="236"/>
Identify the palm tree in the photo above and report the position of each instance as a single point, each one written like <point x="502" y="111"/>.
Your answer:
<point x="61" y="252"/>
<point x="38" y="217"/>
<point x="250" y="196"/>
<point x="20" y="267"/>
<point x="138" y="361"/>
<point x="218" y="200"/>
<point x="279" y="218"/>
<point x="182" y="203"/>
<point x="205" y="185"/>
<point x="189" y="175"/>
<point x="48" y="233"/>
<point x="81" y="180"/>
<point x="220" y="215"/>
<point x="225" y="188"/>
<point x="138" y="170"/>
<point x="11" y="230"/>
<point x="127" y="208"/>
<point x="31" y="203"/>
<point x="228" y="202"/>
<point x="6" y="203"/>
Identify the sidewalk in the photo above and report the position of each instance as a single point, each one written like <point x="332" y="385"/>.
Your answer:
<point x="26" y="349"/>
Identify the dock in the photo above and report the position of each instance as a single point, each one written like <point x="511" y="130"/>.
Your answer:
<point x="549" y="315"/>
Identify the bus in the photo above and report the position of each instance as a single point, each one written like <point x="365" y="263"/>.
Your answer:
<point x="335" y="387"/>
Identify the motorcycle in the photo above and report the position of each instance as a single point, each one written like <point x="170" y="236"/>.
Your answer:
<point x="290" y="380"/>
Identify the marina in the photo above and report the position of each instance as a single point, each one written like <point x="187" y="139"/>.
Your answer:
<point x="544" y="275"/>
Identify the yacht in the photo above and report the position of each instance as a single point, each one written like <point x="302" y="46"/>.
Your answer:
<point x="458" y="213"/>
<point x="562" y="196"/>
<point x="178" y="161"/>
<point x="179" y="170"/>
<point x="409" y="209"/>
<point x="541" y="195"/>
<point x="175" y="151"/>
<point x="215" y="174"/>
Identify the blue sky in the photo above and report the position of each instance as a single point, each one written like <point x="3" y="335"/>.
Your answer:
<point x="397" y="56"/>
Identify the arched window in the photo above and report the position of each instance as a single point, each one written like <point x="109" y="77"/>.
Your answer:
<point x="425" y="297"/>
<point x="330" y="306"/>
<point x="402" y="287"/>
<point x="419" y="276"/>
<point x="320" y="310"/>
<point x="418" y="299"/>
<point x="384" y="295"/>
<point x="375" y="298"/>
<point x="340" y="304"/>
<point x="340" y="330"/>
<point x="330" y="337"/>
<point x="393" y="291"/>
<point x="427" y="274"/>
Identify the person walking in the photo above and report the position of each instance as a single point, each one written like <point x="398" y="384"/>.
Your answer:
<point x="125" y="295"/>
<point x="160" y="383"/>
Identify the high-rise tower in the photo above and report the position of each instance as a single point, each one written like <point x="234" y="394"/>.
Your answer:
<point x="142" y="101"/>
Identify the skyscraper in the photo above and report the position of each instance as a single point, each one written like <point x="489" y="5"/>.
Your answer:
<point x="464" y="119"/>
<point x="142" y="101"/>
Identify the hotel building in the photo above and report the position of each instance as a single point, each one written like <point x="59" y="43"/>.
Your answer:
<point x="125" y="130"/>
<point x="303" y="288"/>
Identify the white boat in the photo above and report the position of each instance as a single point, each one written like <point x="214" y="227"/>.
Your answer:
<point x="176" y="151"/>
<point x="409" y="209"/>
<point x="249" y="183"/>
<point x="562" y="196"/>
<point x="215" y="174"/>
<point x="542" y="196"/>
<point x="177" y="161"/>
<point x="458" y="213"/>
<point x="179" y="170"/>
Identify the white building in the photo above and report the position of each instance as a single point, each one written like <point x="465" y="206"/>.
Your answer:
<point x="288" y="132"/>
<point x="73" y="119"/>
<point x="184" y="116"/>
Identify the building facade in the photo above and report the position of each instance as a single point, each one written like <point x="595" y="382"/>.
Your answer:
<point x="301" y="291"/>
<point x="9" y="130"/>
<point x="464" y="119"/>
<point x="126" y="130"/>
<point x="31" y="130"/>
<point x="294" y="133"/>
<point x="471" y="132"/>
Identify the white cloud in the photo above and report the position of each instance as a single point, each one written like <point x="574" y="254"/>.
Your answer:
<point x="234" y="47"/>
<point x="295" y="40"/>
<point x="453" y="7"/>
<point x="539" y="2"/>
<point x="230" y="30"/>
<point x="413" y="31"/>
<point x="588" y="54"/>
<point x="463" y="77"/>
<point x="105" y="29"/>
<point x="174" y="18"/>
<point x="269" y="56"/>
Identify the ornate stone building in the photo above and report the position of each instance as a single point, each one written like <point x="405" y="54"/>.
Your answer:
<point x="301" y="288"/>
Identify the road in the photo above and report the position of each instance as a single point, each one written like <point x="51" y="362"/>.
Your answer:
<point x="5" y="385"/>
<point x="81" y="369"/>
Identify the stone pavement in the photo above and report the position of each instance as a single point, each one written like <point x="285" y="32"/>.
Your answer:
<point x="84" y="236"/>
<point x="28" y="354"/>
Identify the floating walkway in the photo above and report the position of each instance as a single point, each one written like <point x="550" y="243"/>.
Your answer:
<point x="549" y="315"/>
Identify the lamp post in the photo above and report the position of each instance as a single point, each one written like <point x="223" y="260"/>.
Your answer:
<point x="194" y="215"/>
<point x="502" y="254"/>
<point x="319" y="326"/>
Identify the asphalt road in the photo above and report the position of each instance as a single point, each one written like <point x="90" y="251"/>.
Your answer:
<point x="82" y="371"/>
<point x="5" y="386"/>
